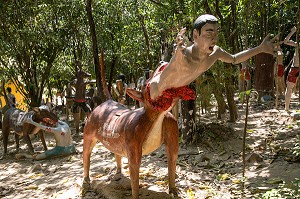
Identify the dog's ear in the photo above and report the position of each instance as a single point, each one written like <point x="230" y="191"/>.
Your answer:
<point x="134" y="94"/>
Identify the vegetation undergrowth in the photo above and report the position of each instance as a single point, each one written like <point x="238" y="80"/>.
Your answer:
<point x="284" y="190"/>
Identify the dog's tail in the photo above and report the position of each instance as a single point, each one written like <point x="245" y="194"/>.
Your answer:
<point x="105" y="88"/>
<point x="5" y="94"/>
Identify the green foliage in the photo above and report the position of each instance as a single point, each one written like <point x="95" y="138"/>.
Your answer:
<point x="246" y="93"/>
<point x="286" y="191"/>
<point x="37" y="37"/>
<point x="34" y="34"/>
<point x="296" y="149"/>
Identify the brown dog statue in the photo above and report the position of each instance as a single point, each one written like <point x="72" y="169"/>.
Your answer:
<point x="13" y="120"/>
<point x="131" y="133"/>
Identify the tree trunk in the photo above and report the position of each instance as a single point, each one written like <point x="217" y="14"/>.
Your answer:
<point x="230" y="25"/>
<point x="146" y="36"/>
<point x="217" y="89"/>
<point x="188" y="118"/>
<point x="229" y="88"/>
<point x="95" y="49"/>
<point x="297" y="38"/>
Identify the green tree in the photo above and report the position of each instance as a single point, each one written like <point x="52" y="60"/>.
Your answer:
<point x="32" y="37"/>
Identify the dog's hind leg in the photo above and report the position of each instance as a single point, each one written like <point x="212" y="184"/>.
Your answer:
<point x="29" y="144"/>
<point x="5" y="133"/>
<point x="119" y="163"/>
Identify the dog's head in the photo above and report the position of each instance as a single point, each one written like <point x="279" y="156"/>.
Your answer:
<point x="43" y="114"/>
<point x="141" y="96"/>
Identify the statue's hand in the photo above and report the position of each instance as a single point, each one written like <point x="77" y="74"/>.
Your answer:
<point x="269" y="45"/>
<point x="180" y="43"/>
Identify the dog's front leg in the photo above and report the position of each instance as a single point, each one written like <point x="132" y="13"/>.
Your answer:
<point x="88" y="144"/>
<point x="29" y="144"/>
<point x="170" y="130"/>
<point x="134" y="160"/>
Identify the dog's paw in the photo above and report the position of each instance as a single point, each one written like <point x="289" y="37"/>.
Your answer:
<point x="173" y="193"/>
<point x="86" y="184"/>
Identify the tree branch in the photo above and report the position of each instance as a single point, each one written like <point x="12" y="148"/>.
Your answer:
<point x="158" y="3"/>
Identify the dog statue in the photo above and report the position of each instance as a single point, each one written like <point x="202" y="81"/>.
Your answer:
<point x="131" y="133"/>
<point x="13" y="120"/>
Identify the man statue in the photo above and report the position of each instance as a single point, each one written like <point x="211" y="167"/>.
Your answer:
<point x="170" y="80"/>
<point x="63" y="138"/>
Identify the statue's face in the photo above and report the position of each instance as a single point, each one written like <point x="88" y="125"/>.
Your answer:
<point x="208" y="37"/>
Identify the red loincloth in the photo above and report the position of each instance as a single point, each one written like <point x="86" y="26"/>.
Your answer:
<point x="280" y="72"/>
<point x="164" y="101"/>
<point x="245" y="74"/>
<point x="293" y="75"/>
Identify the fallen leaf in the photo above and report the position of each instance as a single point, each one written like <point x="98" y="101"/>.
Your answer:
<point x="190" y="194"/>
<point x="31" y="187"/>
<point x="236" y="181"/>
<point x="160" y="182"/>
<point x="250" y="131"/>
<point x="203" y="187"/>
<point x="67" y="180"/>
<point x="98" y="175"/>
<point x="36" y="175"/>
<point x="223" y="177"/>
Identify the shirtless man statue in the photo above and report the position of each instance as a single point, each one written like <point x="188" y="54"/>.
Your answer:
<point x="69" y="98"/>
<point x="79" y="98"/>
<point x="63" y="138"/>
<point x="280" y="72"/>
<point x="294" y="71"/>
<point x="170" y="80"/>
<point x="245" y="76"/>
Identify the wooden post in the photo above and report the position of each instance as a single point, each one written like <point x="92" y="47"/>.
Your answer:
<point x="264" y="74"/>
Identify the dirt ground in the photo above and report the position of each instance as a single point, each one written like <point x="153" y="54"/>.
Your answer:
<point x="212" y="168"/>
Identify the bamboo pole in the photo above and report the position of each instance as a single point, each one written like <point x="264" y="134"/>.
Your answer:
<point x="297" y="39"/>
<point x="276" y="66"/>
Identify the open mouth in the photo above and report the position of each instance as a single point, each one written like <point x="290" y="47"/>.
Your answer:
<point x="211" y="48"/>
